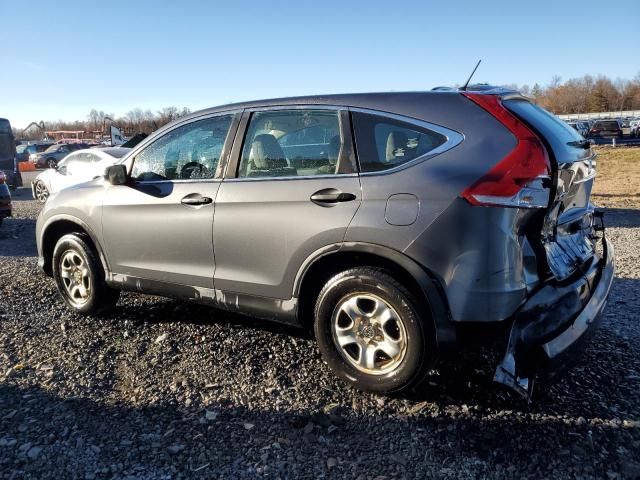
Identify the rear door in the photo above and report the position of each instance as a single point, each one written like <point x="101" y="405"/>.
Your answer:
<point x="291" y="188"/>
<point x="159" y="226"/>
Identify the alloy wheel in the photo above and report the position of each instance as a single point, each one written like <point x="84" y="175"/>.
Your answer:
<point x="369" y="333"/>
<point x="75" y="277"/>
<point x="42" y="193"/>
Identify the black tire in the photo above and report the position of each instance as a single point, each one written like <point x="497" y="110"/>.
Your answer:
<point x="51" y="163"/>
<point x="419" y="348"/>
<point x="100" y="297"/>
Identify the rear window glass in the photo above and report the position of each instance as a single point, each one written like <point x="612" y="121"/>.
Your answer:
<point x="610" y="124"/>
<point x="384" y="142"/>
<point x="559" y="134"/>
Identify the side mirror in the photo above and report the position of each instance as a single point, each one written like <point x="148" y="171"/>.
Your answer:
<point x="116" y="174"/>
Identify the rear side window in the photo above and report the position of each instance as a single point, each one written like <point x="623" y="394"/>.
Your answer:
<point x="383" y="142"/>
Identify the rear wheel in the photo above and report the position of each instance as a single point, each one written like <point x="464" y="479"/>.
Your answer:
<point x="80" y="278"/>
<point x="41" y="191"/>
<point x="369" y="331"/>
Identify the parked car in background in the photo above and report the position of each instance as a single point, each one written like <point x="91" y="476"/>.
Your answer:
<point x="5" y="198"/>
<point x="25" y="150"/>
<point x="606" y="129"/>
<point x="77" y="167"/>
<point x="585" y="127"/>
<point x="54" y="153"/>
<point x="579" y="127"/>
<point x="382" y="222"/>
<point x="635" y="128"/>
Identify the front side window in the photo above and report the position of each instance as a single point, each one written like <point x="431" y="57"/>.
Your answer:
<point x="189" y="152"/>
<point x="285" y="143"/>
<point x="384" y="142"/>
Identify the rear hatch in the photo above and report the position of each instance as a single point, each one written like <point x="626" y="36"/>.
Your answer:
<point x="606" y="128"/>
<point x="567" y="229"/>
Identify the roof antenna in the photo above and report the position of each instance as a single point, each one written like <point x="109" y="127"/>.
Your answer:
<point x="469" y="79"/>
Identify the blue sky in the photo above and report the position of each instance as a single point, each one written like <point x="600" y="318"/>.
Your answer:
<point x="63" y="58"/>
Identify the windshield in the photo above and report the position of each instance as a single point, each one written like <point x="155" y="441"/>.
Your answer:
<point x="610" y="124"/>
<point x="21" y="148"/>
<point x="119" y="153"/>
<point x="52" y="148"/>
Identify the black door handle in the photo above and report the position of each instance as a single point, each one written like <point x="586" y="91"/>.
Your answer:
<point x="196" y="199"/>
<point x="331" y="196"/>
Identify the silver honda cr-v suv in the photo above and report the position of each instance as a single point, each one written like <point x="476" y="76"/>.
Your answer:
<point x="382" y="221"/>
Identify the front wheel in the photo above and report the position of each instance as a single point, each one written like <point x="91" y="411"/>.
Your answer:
<point x="41" y="191"/>
<point x="51" y="163"/>
<point x="80" y="278"/>
<point x="369" y="331"/>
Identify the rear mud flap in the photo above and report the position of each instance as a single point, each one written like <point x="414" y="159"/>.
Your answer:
<point x="560" y="313"/>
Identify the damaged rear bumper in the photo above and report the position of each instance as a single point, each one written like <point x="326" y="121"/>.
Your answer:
<point x="555" y="322"/>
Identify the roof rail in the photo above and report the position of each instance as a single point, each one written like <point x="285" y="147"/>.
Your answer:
<point x="481" y="88"/>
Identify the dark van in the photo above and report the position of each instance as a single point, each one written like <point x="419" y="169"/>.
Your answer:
<point x="8" y="163"/>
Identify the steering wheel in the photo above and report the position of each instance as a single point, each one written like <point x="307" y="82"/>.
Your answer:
<point x="193" y="170"/>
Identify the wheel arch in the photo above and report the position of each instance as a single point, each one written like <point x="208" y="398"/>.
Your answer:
<point x="63" y="225"/>
<point x="330" y="260"/>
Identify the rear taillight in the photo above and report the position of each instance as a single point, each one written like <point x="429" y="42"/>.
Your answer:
<point x="3" y="178"/>
<point x="521" y="178"/>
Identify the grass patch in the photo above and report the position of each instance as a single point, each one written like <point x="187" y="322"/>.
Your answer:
<point x="618" y="177"/>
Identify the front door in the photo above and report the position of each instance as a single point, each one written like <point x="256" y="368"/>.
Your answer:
<point x="159" y="226"/>
<point x="291" y="189"/>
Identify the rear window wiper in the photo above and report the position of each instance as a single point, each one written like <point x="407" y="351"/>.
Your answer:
<point x="586" y="144"/>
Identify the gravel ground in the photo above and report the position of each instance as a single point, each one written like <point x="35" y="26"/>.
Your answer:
<point x="165" y="389"/>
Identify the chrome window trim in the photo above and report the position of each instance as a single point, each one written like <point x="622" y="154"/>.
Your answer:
<point x="291" y="177"/>
<point x="182" y="180"/>
<point x="453" y="139"/>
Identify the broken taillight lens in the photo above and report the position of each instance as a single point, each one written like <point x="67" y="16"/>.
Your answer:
<point x="521" y="178"/>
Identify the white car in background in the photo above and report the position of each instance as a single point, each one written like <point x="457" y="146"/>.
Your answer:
<point x="77" y="167"/>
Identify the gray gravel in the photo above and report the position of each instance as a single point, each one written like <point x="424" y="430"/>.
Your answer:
<point x="164" y="389"/>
